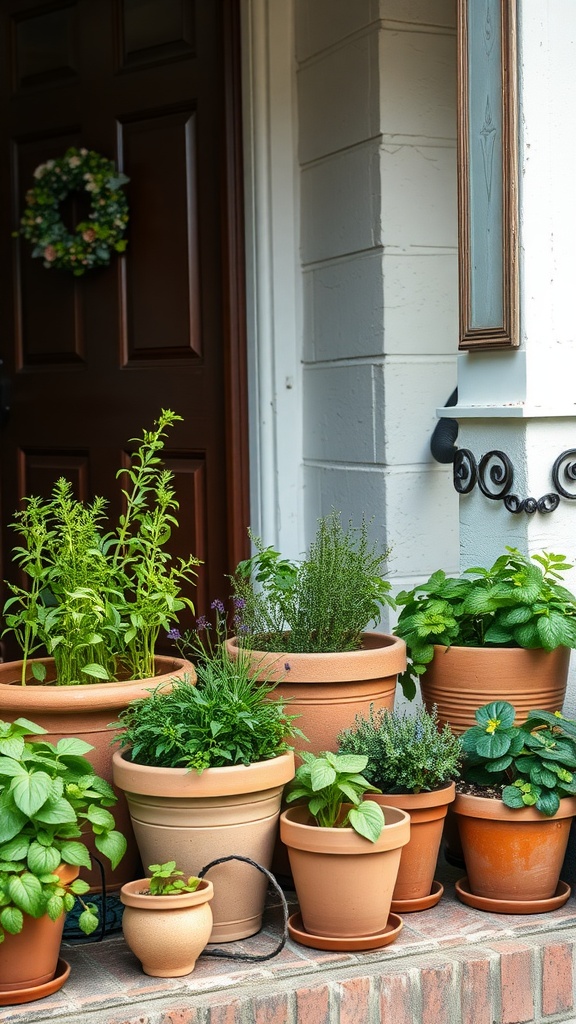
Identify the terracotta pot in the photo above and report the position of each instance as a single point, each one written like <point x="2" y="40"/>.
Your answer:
<point x="418" y="861"/>
<point x="512" y="854"/>
<point x="28" y="960"/>
<point x="459" y="680"/>
<point x="195" y="819"/>
<point x="85" y="712"/>
<point x="344" y="883"/>
<point x="327" y="691"/>
<point x="166" y="933"/>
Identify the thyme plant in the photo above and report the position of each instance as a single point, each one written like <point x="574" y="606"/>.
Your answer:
<point x="96" y="599"/>
<point x="406" y="753"/>
<point x="320" y="604"/>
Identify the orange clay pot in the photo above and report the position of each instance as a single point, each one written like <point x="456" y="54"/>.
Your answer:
<point x="512" y="854"/>
<point x="343" y="882"/>
<point x="418" y="861"/>
<point x="29" y="959"/>
<point x="327" y="691"/>
<point x="166" y="933"/>
<point x="459" y="680"/>
<point x="85" y="712"/>
<point x="194" y="819"/>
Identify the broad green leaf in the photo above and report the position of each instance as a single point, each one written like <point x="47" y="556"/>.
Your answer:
<point x="551" y="630"/>
<point x="96" y="672"/>
<point x="548" y="802"/>
<point x="30" y="792"/>
<point x="512" y="797"/>
<point x="72" y="745"/>
<point x="31" y="727"/>
<point x="367" y="820"/>
<point x="500" y="711"/>
<point x="56" y="812"/>
<point x="16" y="849"/>
<point x="322" y="775"/>
<point x="11" y="747"/>
<point x="348" y="762"/>
<point x="11" y="821"/>
<point x="75" y="853"/>
<point x="79" y="887"/>
<point x="88" y="921"/>
<point x="112" y="845"/>
<point x="39" y="671"/>
<point x="26" y="892"/>
<point x="493" y="745"/>
<point x="9" y="768"/>
<point x="55" y="907"/>
<point x="99" y="816"/>
<point x="43" y="859"/>
<point x="12" y="920"/>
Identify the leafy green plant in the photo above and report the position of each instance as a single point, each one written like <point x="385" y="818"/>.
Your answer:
<point x="96" y="601"/>
<point x="166" y="880"/>
<point x="320" y="604"/>
<point x="48" y="796"/>
<point x="518" y="602"/>
<point x="534" y="764"/>
<point x="225" y="719"/>
<point x="328" y="781"/>
<point x="406" y="753"/>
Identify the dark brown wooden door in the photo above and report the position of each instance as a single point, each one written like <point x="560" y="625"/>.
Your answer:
<point x="89" y="362"/>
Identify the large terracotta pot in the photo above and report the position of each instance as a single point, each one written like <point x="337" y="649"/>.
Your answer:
<point x="427" y="812"/>
<point x="166" y="933"/>
<point x="29" y="959"/>
<point x="512" y="854"/>
<point x="86" y="712"/>
<point x="327" y="691"/>
<point x="194" y="819"/>
<point x="344" y="883"/>
<point x="459" y="680"/>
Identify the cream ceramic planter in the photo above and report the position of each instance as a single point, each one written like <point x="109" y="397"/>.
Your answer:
<point x="166" y="933"/>
<point x="86" y="712"/>
<point x="194" y="819"/>
<point x="344" y="883"/>
<point x="327" y="691"/>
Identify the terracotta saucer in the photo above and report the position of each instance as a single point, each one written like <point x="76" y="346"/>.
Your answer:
<point x="348" y="945"/>
<point x="28" y="995"/>
<point x="421" y="902"/>
<point x="512" y="906"/>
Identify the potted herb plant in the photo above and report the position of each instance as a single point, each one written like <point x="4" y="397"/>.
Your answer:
<point x="94" y="603"/>
<point x="413" y="763"/>
<point x="304" y="625"/>
<point x="502" y="633"/>
<point x="167" y="919"/>
<point x="515" y="809"/>
<point x="344" y="854"/>
<point x="203" y="769"/>
<point x="49" y="796"/>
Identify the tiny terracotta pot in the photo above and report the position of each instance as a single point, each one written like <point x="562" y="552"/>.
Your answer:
<point x="194" y="819"/>
<point x="166" y="933"/>
<point x="29" y="959"/>
<point x="86" y="712"/>
<point x="344" y="883"/>
<point x="512" y="854"/>
<point x="427" y="812"/>
<point x="327" y="691"/>
<point x="459" y="680"/>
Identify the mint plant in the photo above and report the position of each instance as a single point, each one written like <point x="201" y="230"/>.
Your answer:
<point x="49" y="796"/>
<point x="96" y="599"/>
<point x="406" y="753"/>
<point x="534" y="764"/>
<point x="166" y="880"/>
<point x="320" y="604"/>
<point x="326" y="782"/>
<point x="518" y="602"/>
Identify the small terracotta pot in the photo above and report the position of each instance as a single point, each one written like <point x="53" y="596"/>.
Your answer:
<point x="194" y="819"/>
<point x="418" y="861"/>
<point x="344" y="883"/>
<point x="459" y="680"/>
<point x="86" y="712"/>
<point x="29" y="959"/>
<point x="166" y="933"/>
<point x="512" y="854"/>
<point x="327" y="691"/>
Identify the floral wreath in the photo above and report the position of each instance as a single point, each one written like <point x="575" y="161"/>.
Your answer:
<point x="93" y="240"/>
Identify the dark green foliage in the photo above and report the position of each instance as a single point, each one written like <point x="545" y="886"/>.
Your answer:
<point x="48" y="796"/>
<point x="406" y="753"/>
<point x="534" y="763"/>
<point x="326" y="782"/>
<point x="518" y="602"/>
<point x="320" y="604"/>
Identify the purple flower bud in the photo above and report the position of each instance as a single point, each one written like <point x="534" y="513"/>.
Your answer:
<point x="202" y="623"/>
<point x="174" y="634"/>
<point x="217" y="606"/>
<point x="239" y="603"/>
<point x="286" y="666"/>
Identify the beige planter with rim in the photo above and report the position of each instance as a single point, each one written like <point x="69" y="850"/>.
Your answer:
<point x="166" y="933"/>
<point x="194" y="819"/>
<point x="344" y="883"/>
<point x="459" y="680"/>
<point x="86" y="711"/>
<point x="327" y="691"/>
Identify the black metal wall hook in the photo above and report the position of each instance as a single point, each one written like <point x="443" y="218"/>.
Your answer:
<point x="251" y="957"/>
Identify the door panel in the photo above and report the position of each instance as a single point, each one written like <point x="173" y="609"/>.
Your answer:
<point x="152" y="84"/>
